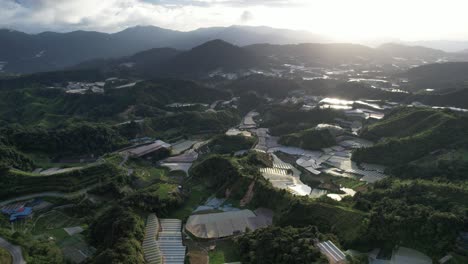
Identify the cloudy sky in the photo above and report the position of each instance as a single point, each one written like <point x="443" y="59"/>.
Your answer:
<point x="341" y="19"/>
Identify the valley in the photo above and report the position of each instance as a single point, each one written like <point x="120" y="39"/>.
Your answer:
<point x="325" y="153"/>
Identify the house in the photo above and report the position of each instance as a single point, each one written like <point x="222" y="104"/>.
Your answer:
<point x="17" y="211"/>
<point x="21" y="213"/>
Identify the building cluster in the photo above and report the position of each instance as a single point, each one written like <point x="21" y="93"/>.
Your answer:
<point x="22" y="210"/>
<point x="85" y="87"/>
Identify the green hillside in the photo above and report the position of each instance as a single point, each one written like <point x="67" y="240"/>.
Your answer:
<point x="11" y="157"/>
<point x="222" y="173"/>
<point x="282" y="120"/>
<point x="309" y="139"/>
<point x="425" y="215"/>
<point x="408" y="134"/>
<point x="189" y="123"/>
<point x="223" y="144"/>
<point x="17" y="183"/>
<point x="40" y="105"/>
<point x="408" y="121"/>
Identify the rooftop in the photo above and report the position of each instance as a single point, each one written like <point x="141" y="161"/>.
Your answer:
<point x="146" y="149"/>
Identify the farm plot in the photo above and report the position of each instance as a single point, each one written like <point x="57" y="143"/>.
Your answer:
<point x="52" y="224"/>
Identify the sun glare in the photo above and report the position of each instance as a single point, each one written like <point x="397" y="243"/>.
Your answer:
<point x="370" y="19"/>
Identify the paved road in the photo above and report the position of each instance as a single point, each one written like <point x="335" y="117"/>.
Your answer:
<point x="49" y="194"/>
<point x="15" y="251"/>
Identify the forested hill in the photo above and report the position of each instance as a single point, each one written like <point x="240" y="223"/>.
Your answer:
<point x="146" y="63"/>
<point x="210" y="56"/>
<point x="453" y="98"/>
<point x="44" y="105"/>
<point x="214" y="55"/>
<point x="51" y="122"/>
<point x="410" y="137"/>
<point x="50" y="78"/>
<point x="438" y="76"/>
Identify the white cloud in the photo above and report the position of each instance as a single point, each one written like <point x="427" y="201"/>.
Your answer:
<point x="112" y="15"/>
<point x="345" y="19"/>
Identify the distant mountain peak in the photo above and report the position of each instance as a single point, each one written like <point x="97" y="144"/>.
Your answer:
<point x="145" y="29"/>
<point x="215" y="43"/>
<point x="404" y="46"/>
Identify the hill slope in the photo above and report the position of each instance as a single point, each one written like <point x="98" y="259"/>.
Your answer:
<point x="438" y="76"/>
<point x="408" y="134"/>
<point x="210" y="56"/>
<point x="455" y="98"/>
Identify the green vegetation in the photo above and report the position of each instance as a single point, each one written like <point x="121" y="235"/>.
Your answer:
<point x="37" y="105"/>
<point x="406" y="121"/>
<point x="197" y="194"/>
<point x="117" y="235"/>
<point x="152" y="189"/>
<point x="263" y="85"/>
<point x="52" y="223"/>
<point x="223" y="144"/>
<point x="284" y="120"/>
<point x="223" y="174"/>
<point x="159" y="198"/>
<point x="421" y="214"/>
<point x="309" y="139"/>
<point x="19" y="183"/>
<point x="452" y="96"/>
<point x="458" y="259"/>
<point x="11" y="157"/>
<point x="249" y="101"/>
<point x="347" y="182"/>
<point x="346" y="223"/>
<point x="218" y="171"/>
<point x="37" y="251"/>
<point x="5" y="256"/>
<point x="225" y="252"/>
<point x="74" y="138"/>
<point x="188" y="123"/>
<point x="437" y="76"/>
<point x="424" y="205"/>
<point x="49" y="78"/>
<point x="226" y="174"/>
<point x="411" y="133"/>
<point x="446" y="164"/>
<point x="147" y="172"/>
<point x="280" y="245"/>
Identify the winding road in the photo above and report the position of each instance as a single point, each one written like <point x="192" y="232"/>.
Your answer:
<point x="15" y="251"/>
<point x="49" y="194"/>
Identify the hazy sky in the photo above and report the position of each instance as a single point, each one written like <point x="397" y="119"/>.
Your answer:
<point x="341" y="19"/>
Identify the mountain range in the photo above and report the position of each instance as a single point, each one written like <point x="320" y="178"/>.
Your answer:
<point x="149" y="50"/>
<point x="26" y="53"/>
<point x="445" y="45"/>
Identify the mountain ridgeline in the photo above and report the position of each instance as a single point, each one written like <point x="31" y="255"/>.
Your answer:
<point x="49" y="51"/>
<point x="26" y="53"/>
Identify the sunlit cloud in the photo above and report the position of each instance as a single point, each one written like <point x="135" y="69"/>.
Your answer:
<point x="342" y="19"/>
